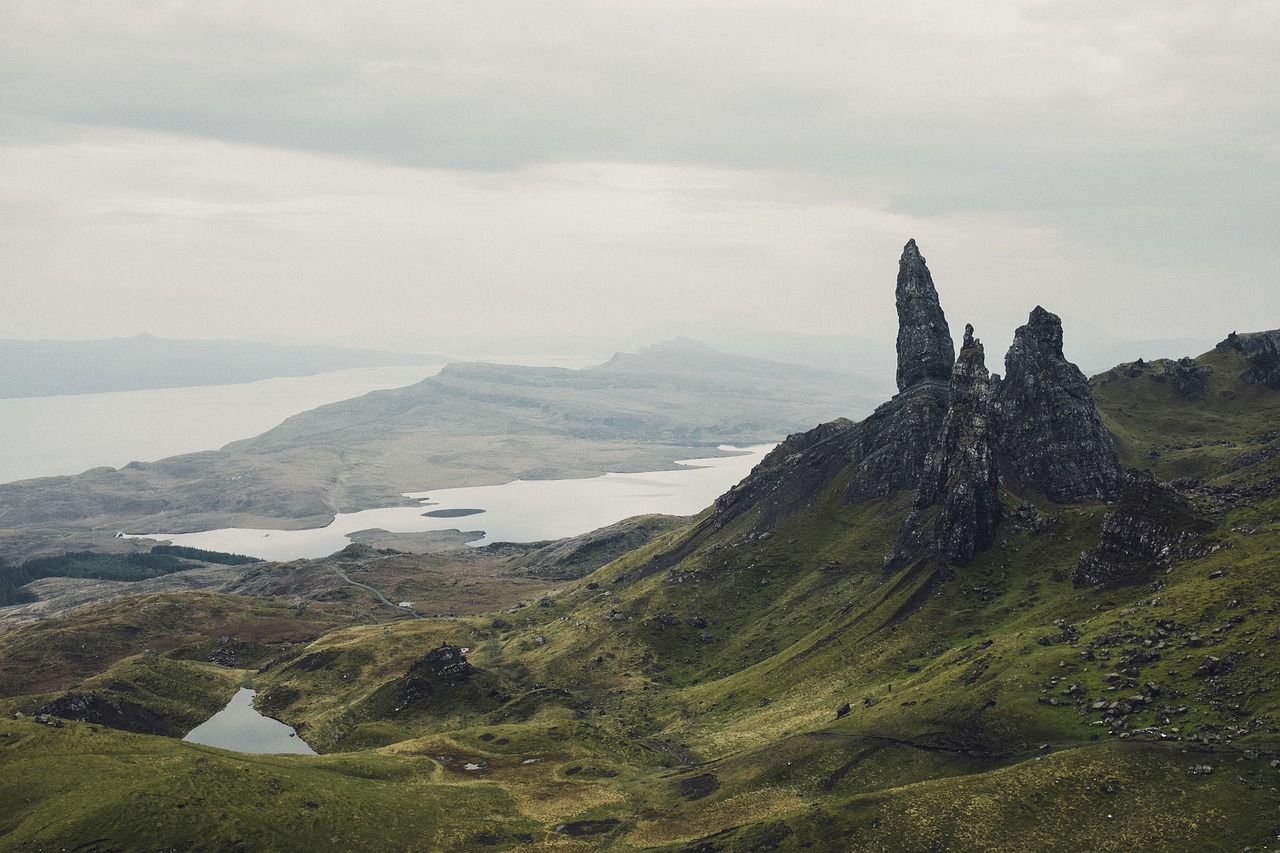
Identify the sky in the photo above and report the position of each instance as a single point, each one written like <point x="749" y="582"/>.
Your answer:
<point x="585" y="177"/>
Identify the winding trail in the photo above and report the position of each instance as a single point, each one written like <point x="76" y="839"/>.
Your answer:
<point x="382" y="599"/>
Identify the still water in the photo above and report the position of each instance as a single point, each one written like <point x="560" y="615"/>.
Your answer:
<point x="519" y="511"/>
<point x="240" y="728"/>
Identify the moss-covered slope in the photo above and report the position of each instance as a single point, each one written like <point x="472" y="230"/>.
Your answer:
<point x="758" y="680"/>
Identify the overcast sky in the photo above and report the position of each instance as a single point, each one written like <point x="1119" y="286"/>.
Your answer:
<point x="459" y="176"/>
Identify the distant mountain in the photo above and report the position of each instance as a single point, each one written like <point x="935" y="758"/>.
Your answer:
<point x="46" y="368"/>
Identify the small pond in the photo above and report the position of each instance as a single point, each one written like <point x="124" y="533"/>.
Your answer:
<point x="240" y="728"/>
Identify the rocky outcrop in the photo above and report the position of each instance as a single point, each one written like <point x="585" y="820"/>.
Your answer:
<point x="442" y="667"/>
<point x="961" y="478"/>
<point x="113" y="713"/>
<point x="886" y="452"/>
<point x="1189" y="380"/>
<point x="956" y="442"/>
<point x="1051" y="437"/>
<point x="888" y="448"/>
<point x="925" y="349"/>
<point x="1262" y="354"/>
<point x="1144" y="532"/>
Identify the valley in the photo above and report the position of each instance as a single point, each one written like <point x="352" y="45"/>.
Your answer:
<point x="1035" y="612"/>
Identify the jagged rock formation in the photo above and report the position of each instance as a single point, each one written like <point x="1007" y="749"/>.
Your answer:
<point x="1262" y="353"/>
<point x="1143" y="532"/>
<point x="1051" y="436"/>
<point x="961" y="476"/>
<point x="116" y="714"/>
<point x="1036" y="433"/>
<point x="441" y="667"/>
<point x="925" y="348"/>
<point x="1189" y="380"/>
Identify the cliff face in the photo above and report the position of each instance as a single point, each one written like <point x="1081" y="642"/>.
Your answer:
<point x="954" y="434"/>
<point x="961" y="476"/>
<point x="1262" y="353"/>
<point x="1144" y="531"/>
<point x="1051" y="437"/>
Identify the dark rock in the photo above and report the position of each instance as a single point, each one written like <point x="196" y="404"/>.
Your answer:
<point x="843" y="711"/>
<point x="697" y="787"/>
<point x="961" y="474"/>
<point x="1188" y="379"/>
<point x="697" y="621"/>
<point x="125" y="716"/>
<point x="925" y="349"/>
<point x="889" y="447"/>
<point x="442" y="666"/>
<point x="1211" y="666"/>
<point x="1142" y="533"/>
<point x="580" y="828"/>
<point x="1262" y="356"/>
<point x="1051" y="436"/>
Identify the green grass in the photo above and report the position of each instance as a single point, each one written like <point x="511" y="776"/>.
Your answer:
<point x="696" y="703"/>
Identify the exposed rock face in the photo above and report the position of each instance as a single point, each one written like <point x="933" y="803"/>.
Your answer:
<point x="1038" y="430"/>
<point x="115" y="714"/>
<point x="1143" y="532"/>
<point x="441" y="667"/>
<point x="925" y="348"/>
<point x="1051" y="437"/>
<point x="889" y="447"/>
<point x="1189" y="379"/>
<point x="1262" y="352"/>
<point x="961" y="473"/>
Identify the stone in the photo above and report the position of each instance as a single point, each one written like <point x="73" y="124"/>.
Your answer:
<point x="441" y="667"/>
<point x="1188" y="379"/>
<point x="961" y="475"/>
<point x="925" y="349"/>
<point x="1261" y="351"/>
<point x="1142" y="533"/>
<point x="1051" y="437"/>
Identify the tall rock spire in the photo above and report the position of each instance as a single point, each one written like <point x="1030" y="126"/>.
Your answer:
<point x="925" y="348"/>
<point x="960" y="484"/>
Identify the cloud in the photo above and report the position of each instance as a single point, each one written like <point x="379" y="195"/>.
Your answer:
<point x="597" y="154"/>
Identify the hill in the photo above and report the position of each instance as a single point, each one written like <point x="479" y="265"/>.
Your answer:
<point x="1026" y="613"/>
<point x="46" y="368"/>
<point x="472" y="424"/>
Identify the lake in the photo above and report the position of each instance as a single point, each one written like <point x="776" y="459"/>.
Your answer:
<point x="240" y="728"/>
<point x="519" y="511"/>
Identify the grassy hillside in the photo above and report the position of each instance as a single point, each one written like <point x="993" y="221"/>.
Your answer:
<point x="768" y="690"/>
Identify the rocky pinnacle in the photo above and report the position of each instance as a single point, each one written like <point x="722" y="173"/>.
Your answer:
<point x="925" y="348"/>
<point x="1051" y="436"/>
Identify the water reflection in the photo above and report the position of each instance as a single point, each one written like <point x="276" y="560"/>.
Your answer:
<point x="519" y="511"/>
<point x="240" y="728"/>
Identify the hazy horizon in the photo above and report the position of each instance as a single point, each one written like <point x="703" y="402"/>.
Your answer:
<point x="593" y="178"/>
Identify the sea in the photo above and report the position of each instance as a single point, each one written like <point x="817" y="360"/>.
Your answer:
<point x="70" y="434"/>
